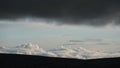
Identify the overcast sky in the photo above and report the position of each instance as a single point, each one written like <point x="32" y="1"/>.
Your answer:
<point x="13" y="33"/>
<point x="88" y="12"/>
<point x="52" y="23"/>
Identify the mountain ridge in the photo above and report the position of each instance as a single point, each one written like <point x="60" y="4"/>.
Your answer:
<point x="17" y="60"/>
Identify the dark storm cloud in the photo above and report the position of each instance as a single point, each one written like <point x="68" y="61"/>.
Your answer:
<point x="90" y="12"/>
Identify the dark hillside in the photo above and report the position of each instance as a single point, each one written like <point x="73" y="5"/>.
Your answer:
<point x="14" y="61"/>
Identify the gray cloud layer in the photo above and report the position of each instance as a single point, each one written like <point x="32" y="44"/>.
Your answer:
<point x="89" y="12"/>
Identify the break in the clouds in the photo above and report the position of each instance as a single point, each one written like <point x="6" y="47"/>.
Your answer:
<point x="86" y="12"/>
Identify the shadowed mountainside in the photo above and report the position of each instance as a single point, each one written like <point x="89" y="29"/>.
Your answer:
<point x="16" y="60"/>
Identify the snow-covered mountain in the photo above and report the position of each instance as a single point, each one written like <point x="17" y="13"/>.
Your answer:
<point x="80" y="52"/>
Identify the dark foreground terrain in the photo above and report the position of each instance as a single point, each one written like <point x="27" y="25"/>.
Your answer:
<point x="27" y="61"/>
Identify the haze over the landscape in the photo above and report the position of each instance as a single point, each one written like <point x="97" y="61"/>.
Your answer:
<point x="100" y="42"/>
<point x="83" y="28"/>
